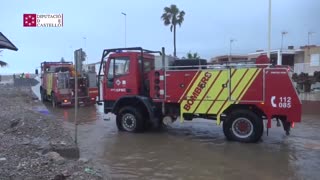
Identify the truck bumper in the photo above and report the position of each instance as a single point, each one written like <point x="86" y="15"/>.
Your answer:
<point x="81" y="101"/>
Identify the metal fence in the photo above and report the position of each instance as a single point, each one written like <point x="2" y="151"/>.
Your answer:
<point x="305" y="68"/>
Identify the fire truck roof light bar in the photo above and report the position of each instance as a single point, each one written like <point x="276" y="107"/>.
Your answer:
<point x="130" y="49"/>
<point x="57" y="63"/>
<point x="220" y="66"/>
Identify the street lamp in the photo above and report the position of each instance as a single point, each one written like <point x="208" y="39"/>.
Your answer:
<point x="282" y="34"/>
<point x="269" y="30"/>
<point x="71" y="48"/>
<point x="231" y="41"/>
<point x="85" y="43"/>
<point x="125" y="28"/>
<point x="309" y="34"/>
<point x="84" y="39"/>
<point x="85" y="49"/>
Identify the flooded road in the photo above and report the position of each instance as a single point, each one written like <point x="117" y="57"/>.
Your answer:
<point x="194" y="150"/>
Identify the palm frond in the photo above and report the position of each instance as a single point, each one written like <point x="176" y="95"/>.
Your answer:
<point x="167" y="10"/>
<point x="166" y="19"/>
<point x="180" y="18"/>
<point x="172" y="15"/>
<point x="174" y="9"/>
<point x="189" y="55"/>
<point x="166" y="22"/>
<point x="2" y="64"/>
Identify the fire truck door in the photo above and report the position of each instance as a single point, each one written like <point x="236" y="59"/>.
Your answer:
<point x="118" y="78"/>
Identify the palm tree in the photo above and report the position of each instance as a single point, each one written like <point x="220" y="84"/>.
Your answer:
<point x="2" y="63"/>
<point x="173" y="16"/>
<point x="193" y="55"/>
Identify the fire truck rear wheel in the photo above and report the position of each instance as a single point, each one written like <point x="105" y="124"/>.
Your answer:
<point x="243" y="126"/>
<point x="130" y="119"/>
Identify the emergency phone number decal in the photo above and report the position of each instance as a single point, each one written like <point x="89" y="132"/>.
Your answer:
<point x="281" y="102"/>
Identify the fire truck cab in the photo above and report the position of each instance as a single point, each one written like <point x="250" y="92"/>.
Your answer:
<point x="242" y="97"/>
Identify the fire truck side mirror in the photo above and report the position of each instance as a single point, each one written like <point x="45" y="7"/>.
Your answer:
<point x="36" y="72"/>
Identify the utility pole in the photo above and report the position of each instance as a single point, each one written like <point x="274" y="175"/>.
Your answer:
<point x="269" y="30"/>
<point x="85" y="49"/>
<point x="125" y="28"/>
<point x="279" y="59"/>
<point x="77" y="59"/>
<point x="71" y="50"/>
<point x="230" y="48"/>
<point x="85" y="43"/>
<point x="282" y="35"/>
<point x="309" y="35"/>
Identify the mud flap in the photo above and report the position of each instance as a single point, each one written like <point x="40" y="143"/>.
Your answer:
<point x="181" y="114"/>
<point x="268" y="125"/>
<point x="219" y="119"/>
<point x="286" y="126"/>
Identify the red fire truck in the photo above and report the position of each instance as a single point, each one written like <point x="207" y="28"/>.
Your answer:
<point x="58" y="84"/>
<point x="240" y="96"/>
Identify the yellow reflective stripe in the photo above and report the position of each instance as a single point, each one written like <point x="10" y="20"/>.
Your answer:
<point x="243" y="84"/>
<point x="49" y="83"/>
<point x="247" y="87"/>
<point x="240" y="90"/>
<point x="216" y="95"/>
<point x="183" y="94"/>
<point x="203" y="91"/>
<point x="235" y="82"/>
<point x="215" y="75"/>
<point x="216" y="102"/>
<point x="194" y="85"/>
<point x="238" y="75"/>
<point x="187" y="94"/>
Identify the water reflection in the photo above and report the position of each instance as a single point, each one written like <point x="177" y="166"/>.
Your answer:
<point x="194" y="150"/>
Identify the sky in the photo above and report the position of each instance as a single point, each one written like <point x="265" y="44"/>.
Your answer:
<point x="208" y="27"/>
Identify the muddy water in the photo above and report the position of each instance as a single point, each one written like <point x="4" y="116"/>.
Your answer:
<point x="194" y="150"/>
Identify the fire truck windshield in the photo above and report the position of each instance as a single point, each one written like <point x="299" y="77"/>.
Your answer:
<point x="118" y="67"/>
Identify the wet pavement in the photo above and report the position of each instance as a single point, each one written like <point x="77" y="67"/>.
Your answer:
<point x="194" y="150"/>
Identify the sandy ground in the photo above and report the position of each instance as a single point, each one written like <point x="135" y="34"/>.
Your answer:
<point x="33" y="145"/>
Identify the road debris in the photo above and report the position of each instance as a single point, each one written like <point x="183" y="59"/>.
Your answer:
<point x="34" y="145"/>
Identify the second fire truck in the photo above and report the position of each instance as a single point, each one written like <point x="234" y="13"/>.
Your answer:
<point x="58" y="84"/>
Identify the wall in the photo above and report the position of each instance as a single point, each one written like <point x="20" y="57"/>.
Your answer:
<point x="306" y="68"/>
<point x="312" y="50"/>
<point x="299" y="57"/>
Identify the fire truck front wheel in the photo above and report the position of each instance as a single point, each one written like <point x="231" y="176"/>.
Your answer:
<point x="130" y="119"/>
<point x="243" y="126"/>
